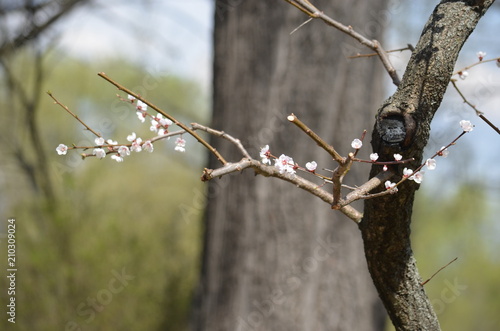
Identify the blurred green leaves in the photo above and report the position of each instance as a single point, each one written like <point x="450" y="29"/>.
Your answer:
<point x="108" y="216"/>
<point x="465" y="294"/>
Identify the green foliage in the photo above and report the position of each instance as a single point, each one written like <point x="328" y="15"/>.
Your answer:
<point x="110" y="218"/>
<point x="465" y="295"/>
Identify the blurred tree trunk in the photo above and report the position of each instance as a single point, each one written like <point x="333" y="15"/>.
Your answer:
<point x="275" y="258"/>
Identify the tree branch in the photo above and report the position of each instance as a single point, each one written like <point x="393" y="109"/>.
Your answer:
<point x="306" y="7"/>
<point x="271" y="171"/>
<point x="386" y="224"/>
<point x="159" y="110"/>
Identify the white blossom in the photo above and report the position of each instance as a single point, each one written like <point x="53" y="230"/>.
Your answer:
<point x="141" y="106"/>
<point x="99" y="141"/>
<point x="99" y="153"/>
<point x="136" y="145"/>
<point x="141" y="116"/>
<point x="131" y="137"/>
<point x="431" y="164"/>
<point x="374" y="157"/>
<point x="123" y="151"/>
<point x="390" y="185"/>
<point x="284" y="164"/>
<point x="180" y="144"/>
<point x="62" y="149"/>
<point x="417" y="177"/>
<point x="466" y="125"/>
<point x="264" y="155"/>
<point x="356" y="144"/>
<point x="148" y="146"/>
<point x="443" y="151"/>
<point x="311" y="166"/>
<point x="407" y="172"/>
<point x="117" y="157"/>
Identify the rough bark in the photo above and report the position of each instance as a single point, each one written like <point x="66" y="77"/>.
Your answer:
<point x="275" y="258"/>
<point x="386" y="225"/>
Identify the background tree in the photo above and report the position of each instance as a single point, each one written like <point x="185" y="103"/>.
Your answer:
<point x="274" y="258"/>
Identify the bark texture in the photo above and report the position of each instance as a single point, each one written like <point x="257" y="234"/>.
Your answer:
<point x="276" y="258"/>
<point x="386" y="224"/>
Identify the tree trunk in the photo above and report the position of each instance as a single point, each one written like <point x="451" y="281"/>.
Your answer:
<point x="276" y="258"/>
<point x="386" y="223"/>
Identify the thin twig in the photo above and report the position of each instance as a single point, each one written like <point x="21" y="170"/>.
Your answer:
<point x="407" y="48"/>
<point x="475" y="64"/>
<point x="301" y="25"/>
<point x="313" y="12"/>
<point x="423" y="283"/>
<point x="478" y="112"/>
<point x="361" y="192"/>
<point x="323" y="144"/>
<point x="72" y="114"/>
<point x="338" y="177"/>
<point x="224" y="135"/>
<point x="180" y="124"/>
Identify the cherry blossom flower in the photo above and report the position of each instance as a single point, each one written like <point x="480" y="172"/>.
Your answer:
<point x="311" y="166"/>
<point x="123" y="151"/>
<point x="141" y="115"/>
<point x="417" y="177"/>
<point x="117" y="157"/>
<point x="136" y="145"/>
<point x="99" y="153"/>
<point x="265" y="155"/>
<point x="62" y="149"/>
<point x="180" y="144"/>
<point x="374" y="157"/>
<point x="431" y="164"/>
<point x="390" y="185"/>
<point x="99" y="141"/>
<point x="148" y="146"/>
<point x="407" y="172"/>
<point x="284" y="164"/>
<point x="131" y="98"/>
<point x="356" y="144"/>
<point x="131" y="137"/>
<point x="141" y="106"/>
<point x="385" y="167"/>
<point x="443" y="151"/>
<point x="165" y="122"/>
<point x="111" y="142"/>
<point x="160" y="124"/>
<point x="463" y="74"/>
<point x="466" y="125"/>
<point x="481" y="55"/>
<point x="397" y="157"/>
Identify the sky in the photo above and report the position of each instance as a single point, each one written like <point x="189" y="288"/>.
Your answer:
<point x="169" y="35"/>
